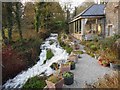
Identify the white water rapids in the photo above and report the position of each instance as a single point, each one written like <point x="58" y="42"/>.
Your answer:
<point x="59" y="55"/>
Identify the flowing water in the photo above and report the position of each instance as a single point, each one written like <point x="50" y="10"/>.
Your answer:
<point x="60" y="55"/>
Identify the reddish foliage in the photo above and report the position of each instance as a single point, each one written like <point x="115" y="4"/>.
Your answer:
<point x="12" y="63"/>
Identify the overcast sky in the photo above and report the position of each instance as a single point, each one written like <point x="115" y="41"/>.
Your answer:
<point x="73" y="2"/>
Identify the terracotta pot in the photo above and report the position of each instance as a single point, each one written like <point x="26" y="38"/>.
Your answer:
<point x="64" y="68"/>
<point x="53" y="86"/>
<point x="105" y="65"/>
<point x="73" y="58"/>
<point x="100" y="62"/>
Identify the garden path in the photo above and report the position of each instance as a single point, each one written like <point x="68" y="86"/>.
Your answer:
<point x="87" y="71"/>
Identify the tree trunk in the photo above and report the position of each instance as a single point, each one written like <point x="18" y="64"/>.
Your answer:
<point x="37" y="13"/>
<point x="10" y="20"/>
<point x="18" y="19"/>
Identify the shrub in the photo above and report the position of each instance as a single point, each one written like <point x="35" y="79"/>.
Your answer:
<point x="65" y="46"/>
<point x="95" y="38"/>
<point x="116" y="36"/>
<point x="108" y="42"/>
<point x="68" y="49"/>
<point x="93" y="47"/>
<point x="117" y="49"/>
<point x="64" y="36"/>
<point x="62" y="44"/>
<point x="89" y="43"/>
<point x="53" y="79"/>
<point x="35" y="82"/>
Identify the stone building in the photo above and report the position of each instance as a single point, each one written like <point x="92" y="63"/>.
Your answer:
<point x="89" y="23"/>
<point x="99" y="19"/>
<point x="112" y="12"/>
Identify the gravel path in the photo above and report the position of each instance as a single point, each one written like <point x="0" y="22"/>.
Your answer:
<point x="87" y="71"/>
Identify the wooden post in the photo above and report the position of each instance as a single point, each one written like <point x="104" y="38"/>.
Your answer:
<point x="74" y="27"/>
<point x="78" y="26"/>
<point x="96" y="25"/>
<point x="82" y="27"/>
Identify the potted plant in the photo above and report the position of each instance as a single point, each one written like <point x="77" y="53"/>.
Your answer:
<point x="65" y="67"/>
<point x="105" y="63"/>
<point x="72" y="65"/>
<point x="68" y="78"/>
<point x="54" y="82"/>
<point x="100" y="60"/>
<point x="73" y="57"/>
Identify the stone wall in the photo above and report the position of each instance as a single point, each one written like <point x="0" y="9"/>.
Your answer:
<point x="112" y="11"/>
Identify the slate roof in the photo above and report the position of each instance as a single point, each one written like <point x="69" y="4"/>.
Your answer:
<point x="92" y="11"/>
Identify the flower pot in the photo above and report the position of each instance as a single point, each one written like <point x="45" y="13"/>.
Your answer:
<point x="65" y="68"/>
<point x="100" y="62"/>
<point x="69" y="80"/>
<point x="72" y="66"/>
<point x="105" y="65"/>
<point x="114" y="66"/>
<point x="53" y="86"/>
<point x="76" y="47"/>
<point x="73" y="58"/>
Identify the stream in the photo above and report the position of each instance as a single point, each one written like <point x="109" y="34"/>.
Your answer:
<point x="60" y="56"/>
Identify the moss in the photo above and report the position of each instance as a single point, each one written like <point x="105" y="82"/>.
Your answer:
<point x="35" y="82"/>
<point x="49" y="55"/>
<point x="51" y="42"/>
